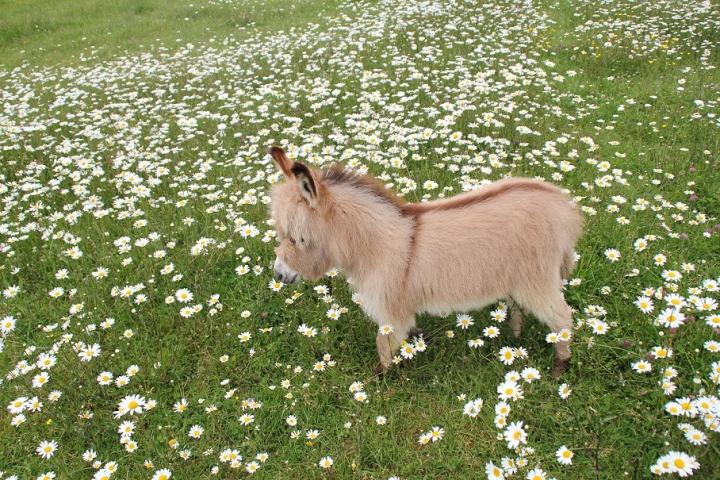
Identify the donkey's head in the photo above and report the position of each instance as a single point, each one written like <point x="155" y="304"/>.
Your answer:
<point x="299" y="207"/>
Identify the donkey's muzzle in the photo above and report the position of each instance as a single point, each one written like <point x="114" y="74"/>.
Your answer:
<point x="284" y="273"/>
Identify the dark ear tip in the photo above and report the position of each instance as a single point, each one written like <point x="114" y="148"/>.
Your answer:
<point x="300" y="169"/>
<point x="275" y="150"/>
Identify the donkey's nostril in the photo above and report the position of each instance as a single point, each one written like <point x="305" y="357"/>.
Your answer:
<point x="278" y="276"/>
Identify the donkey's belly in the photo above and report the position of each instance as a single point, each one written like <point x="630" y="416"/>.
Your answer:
<point x="443" y="309"/>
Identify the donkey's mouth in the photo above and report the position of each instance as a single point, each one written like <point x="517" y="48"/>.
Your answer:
<point x="284" y="273"/>
<point x="287" y="278"/>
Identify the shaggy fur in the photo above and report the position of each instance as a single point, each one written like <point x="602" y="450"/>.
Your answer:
<point x="513" y="239"/>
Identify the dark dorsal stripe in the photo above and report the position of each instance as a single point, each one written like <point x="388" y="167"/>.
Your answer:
<point x="338" y="175"/>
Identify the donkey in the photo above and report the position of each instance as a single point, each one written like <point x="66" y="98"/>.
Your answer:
<point x="513" y="239"/>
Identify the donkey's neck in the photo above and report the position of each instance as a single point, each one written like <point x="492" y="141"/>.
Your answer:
<point x="374" y="239"/>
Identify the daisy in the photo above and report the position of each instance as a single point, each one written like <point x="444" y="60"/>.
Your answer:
<point x="536" y="474"/>
<point x="675" y="300"/>
<point x="464" y="321"/>
<point x="671" y="318"/>
<point x="645" y="304"/>
<point x="252" y="467"/>
<point x="7" y="325"/>
<point x="493" y="472"/>
<point x="196" y="431"/>
<point x="40" y="379"/>
<point x="407" y="350"/>
<point x="503" y="409"/>
<point x="707" y="304"/>
<point x="491" y="331"/>
<point x="599" y="327"/>
<point x="530" y="374"/>
<point x="17" y="405"/>
<point x="564" y="455"/>
<point x="515" y="435"/>
<point x="612" y="254"/>
<point x="564" y="391"/>
<point x="326" y="462"/>
<point x="46" y="361"/>
<point x="436" y="434"/>
<point x="102" y="474"/>
<point x="181" y="406"/>
<point x="473" y="407"/>
<point x="682" y="463"/>
<point x="509" y="390"/>
<point x="11" y="291"/>
<point x="163" y="474"/>
<point x="18" y="420"/>
<point x="386" y="329"/>
<point x="126" y="428"/>
<point x="89" y="455"/>
<point x="671" y="275"/>
<point x="642" y="366"/>
<point x="506" y="355"/>
<point x="105" y="378"/>
<point x="661" y="352"/>
<point x="47" y="449"/>
<point x="564" y="335"/>
<point x="131" y="404"/>
<point x="130" y="445"/>
<point x="88" y="352"/>
<point x="476" y="343"/>
<point x="499" y="315"/>
<point x="696" y="437"/>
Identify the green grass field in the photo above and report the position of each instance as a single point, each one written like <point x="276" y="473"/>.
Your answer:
<point x="141" y="329"/>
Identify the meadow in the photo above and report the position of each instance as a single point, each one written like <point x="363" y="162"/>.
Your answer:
<point x="144" y="337"/>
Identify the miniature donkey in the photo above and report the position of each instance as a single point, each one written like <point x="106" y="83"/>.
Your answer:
<point x="513" y="239"/>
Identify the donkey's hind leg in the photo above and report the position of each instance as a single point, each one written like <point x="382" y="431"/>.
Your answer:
<point x="552" y="310"/>
<point x="516" y="317"/>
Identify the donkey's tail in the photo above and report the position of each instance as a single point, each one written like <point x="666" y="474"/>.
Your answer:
<point x="568" y="264"/>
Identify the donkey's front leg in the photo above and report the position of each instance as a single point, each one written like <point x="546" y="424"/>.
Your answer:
<point x="388" y="342"/>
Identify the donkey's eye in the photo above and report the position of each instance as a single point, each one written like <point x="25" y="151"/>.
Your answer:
<point x="302" y="240"/>
<point x="292" y="240"/>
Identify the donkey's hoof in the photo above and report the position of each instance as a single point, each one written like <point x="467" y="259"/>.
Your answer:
<point x="380" y="369"/>
<point x="560" y="367"/>
<point x="416" y="332"/>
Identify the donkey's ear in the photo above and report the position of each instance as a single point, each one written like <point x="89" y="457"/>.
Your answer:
<point x="285" y="164"/>
<point x="309" y="187"/>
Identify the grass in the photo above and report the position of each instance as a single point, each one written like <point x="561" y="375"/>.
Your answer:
<point x="98" y="95"/>
<point x="68" y="31"/>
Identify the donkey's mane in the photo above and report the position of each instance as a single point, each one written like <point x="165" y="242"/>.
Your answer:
<point x="338" y="175"/>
